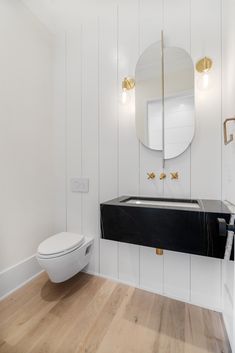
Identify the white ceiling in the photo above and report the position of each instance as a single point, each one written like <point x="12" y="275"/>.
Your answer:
<point x="60" y="15"/>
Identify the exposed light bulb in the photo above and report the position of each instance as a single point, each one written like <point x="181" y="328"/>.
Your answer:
<point x="128" y="84"/>
<point x="205" y="80"/>
<point x="203" y="67"/>
<point x="124" y="96"/>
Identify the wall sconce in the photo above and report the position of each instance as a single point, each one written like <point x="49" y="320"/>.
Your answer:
<point x="203" y="66"/>
<point x="128" y="83"/>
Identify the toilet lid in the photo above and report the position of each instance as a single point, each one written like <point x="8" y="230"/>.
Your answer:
<point x="60" y="243"/>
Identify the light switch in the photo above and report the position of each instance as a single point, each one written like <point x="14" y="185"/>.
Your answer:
<point x="79" y="184"/>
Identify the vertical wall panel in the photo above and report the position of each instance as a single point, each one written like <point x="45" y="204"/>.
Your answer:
<point x="129" y="263"/>
<point x="176" y="23"/>
<point x="60" y="137"/>
<point x="127" y="58"/>
<point x="108" y="258"/>
<point x="151" y="270"/>
<point x="178" y="188"/>
<point x="128" y="156"/>
<point x="108" y="110"/>
<point x="108" y="113"/>
<point x="177" y="275"/>
<point x="150" y="26"/>
<point x="206" y="281"/>
<point x="90" y="126"/>
<point x="74" y="128"/>
<point x="206" y="146"/>
<point x="177" y="34"/>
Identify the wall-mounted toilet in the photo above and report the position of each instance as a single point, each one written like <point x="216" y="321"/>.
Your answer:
<point x="63" y="255"/>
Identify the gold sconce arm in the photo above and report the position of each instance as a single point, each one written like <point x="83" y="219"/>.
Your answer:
<point x="128" y="83"/>
<point x="204" y="65"/>
<point x="231" y="137"/>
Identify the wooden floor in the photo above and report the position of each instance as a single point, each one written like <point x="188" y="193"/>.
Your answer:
<point x="92" y="314"/>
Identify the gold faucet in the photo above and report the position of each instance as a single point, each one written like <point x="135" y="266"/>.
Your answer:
<point x="162" y="176"/>
<point x="151" y="175"/>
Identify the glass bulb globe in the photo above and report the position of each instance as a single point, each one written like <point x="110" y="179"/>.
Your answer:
<point x="205" y="80"/>
<point x="124" y="97"/>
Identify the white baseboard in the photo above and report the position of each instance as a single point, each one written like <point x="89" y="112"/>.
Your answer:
<point x="16" y="276"/>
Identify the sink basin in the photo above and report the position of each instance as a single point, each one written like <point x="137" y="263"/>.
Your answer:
<point x="173" y="203"/>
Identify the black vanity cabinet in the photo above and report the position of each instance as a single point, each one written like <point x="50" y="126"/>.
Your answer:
<point x="188" y="228"/>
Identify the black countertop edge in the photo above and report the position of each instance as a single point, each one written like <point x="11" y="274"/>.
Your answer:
<point x="206" y="205"/>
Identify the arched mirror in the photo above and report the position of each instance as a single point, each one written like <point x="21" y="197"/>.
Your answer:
<point x="165" y="99"/>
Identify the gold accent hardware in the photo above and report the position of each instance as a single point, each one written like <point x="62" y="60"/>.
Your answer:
<point x="159" y="251"/>
<point x="162" y="176"/>
<point x="151" y="175"/>
<point x="226" y="139"/>
<point x="128" y="83"/>
<point x="175" y="176"/>
<point x="204" y="65"/>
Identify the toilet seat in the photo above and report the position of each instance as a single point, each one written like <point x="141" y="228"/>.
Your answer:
<point x="60" y="244"/>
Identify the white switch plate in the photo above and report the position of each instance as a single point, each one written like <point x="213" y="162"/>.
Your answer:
<point x="79" y="184"/>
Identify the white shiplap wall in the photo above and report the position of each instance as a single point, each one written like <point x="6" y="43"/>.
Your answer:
<point x="102" y="143"/>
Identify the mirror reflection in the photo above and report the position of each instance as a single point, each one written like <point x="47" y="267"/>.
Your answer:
<point x="178" y="101"/>
<point x="148" y="97"/>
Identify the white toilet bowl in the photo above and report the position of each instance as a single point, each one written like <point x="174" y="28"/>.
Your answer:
<point x="64" y="254"/>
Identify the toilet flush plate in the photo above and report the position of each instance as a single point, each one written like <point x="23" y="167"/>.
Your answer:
<point x="79" y="185"/>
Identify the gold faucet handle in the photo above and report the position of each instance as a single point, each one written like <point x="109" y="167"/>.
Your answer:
<point x="162" y="176"/>
<point x="175" y="176"/>
<point x="151" y="175"/>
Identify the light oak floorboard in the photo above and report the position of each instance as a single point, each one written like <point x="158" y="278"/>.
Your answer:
<point x="89" y="314"/>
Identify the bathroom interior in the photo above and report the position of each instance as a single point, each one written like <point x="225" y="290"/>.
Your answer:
<point x="117" y="176"/>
